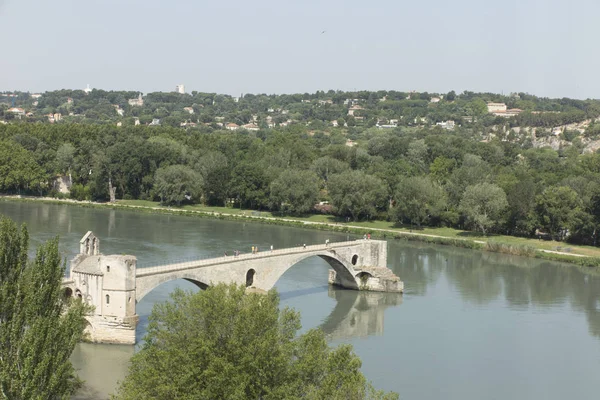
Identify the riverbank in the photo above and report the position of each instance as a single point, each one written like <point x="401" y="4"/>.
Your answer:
<point x="585" y="256"/>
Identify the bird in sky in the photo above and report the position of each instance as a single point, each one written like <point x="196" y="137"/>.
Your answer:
<point x="323" y="32"/>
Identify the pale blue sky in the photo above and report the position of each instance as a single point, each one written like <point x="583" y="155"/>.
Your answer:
<point x="544" y="47"/>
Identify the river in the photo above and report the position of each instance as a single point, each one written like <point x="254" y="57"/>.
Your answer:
<point x="471" y="325"/>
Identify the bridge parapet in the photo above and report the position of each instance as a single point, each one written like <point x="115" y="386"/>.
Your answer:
<point x="210" y="261"/>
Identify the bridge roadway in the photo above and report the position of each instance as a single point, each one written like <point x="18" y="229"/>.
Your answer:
<point x="207" y="262"/>
<point x="263" y="269"/>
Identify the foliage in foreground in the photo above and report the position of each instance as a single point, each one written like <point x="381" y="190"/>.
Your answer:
<point x="225" y="344"/>
<point x="38" y="328"/>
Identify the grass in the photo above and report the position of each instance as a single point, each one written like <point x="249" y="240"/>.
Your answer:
<point x="456" y="237"/>
<point x="582" y="256"/>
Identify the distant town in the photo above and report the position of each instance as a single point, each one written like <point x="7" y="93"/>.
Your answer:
<point x="317" y="111"/>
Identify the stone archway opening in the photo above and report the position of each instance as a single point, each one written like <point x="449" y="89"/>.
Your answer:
<point x="78" y="294"/>
<point x="363" y="277"/>
<point x="250" y="277"/>
<point x="354" y="259"/>
<point x="67" y="293"/>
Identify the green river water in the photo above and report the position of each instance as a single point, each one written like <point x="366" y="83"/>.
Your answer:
<point x="471" y="325"/>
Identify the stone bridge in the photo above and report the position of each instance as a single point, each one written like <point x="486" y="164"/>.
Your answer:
<point x="113" y="285"/>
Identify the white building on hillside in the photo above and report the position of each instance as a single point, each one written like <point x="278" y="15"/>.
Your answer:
<point x="496" y="107"/>
<point x="136" y="102"/>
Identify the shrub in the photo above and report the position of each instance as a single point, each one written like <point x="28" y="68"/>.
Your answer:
<point x="517" y="250"/>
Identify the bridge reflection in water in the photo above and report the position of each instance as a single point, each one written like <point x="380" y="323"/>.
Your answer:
<point x="358" y="314"/>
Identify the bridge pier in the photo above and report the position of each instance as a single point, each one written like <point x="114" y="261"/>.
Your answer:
<point x="113" y="284"/>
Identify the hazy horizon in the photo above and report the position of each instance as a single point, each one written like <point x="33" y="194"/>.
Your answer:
<point x="234" y="47"/>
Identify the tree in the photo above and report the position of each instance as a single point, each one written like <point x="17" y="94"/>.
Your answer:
<point x="223" y="343"/>
<point x="18" y="168"/>
<point x="417" y="153"/>
<point x="483" y="204"/>
<point x="417" y="198"/>
<point x="39" y="328"/>
<point x="357" y="194"/>
<point x="476" y="108"/>
<point x="215" y="170"/>
<point x="520" y="194"/>
<point x="557" y="207"/>
<point x="65" y="156"/>
<point x="173" y="183"/>
<point x="441" y="168"/>
<point x="294" y="191"/>
<point x="472" y="171"/>
<point x="327" y="166"/>
<point x="250" y="185"/>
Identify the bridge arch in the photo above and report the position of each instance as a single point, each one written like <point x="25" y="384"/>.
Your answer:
<point x="145" y="287"/>
<point x="259" y="272"/>
<point x="342" y="267"/>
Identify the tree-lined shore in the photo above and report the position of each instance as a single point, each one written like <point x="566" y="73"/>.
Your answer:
<point x="491" y="175"/>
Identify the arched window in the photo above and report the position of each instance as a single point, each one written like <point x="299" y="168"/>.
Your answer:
<point x="107" y="299"/>
<point x="108" y="268"/>
<point x="250" y="277"/>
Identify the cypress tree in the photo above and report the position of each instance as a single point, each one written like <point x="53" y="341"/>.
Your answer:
<point x="39" y="326"/>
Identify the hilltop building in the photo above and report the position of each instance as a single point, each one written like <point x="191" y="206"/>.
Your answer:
<point x="180" y="89"/>
<point x="496" y="107"/>
<point x="16" y="110"/>
<point x="232" y="126"/>
<point x="136" y="102"/>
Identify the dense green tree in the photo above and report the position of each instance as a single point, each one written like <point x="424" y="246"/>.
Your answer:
<point x="216" y="174"/>
<point x="483" y="204"/>
<point x="476" y="108"/>
<point x="356" y="194"/>
<point x="39" y="327"/>
<point x="250" y="185"/>
<point x="417" y="154"/>
<point x="294" y="192"/>
<point x="520" y="194"/>
<point x="417" y="199"/>
<point x="175" y="183"/>
<point x="222" y="343"/>
<point x="472" y="171"/>
<point x="441" y="168"/>
<point x="557" y="207"/>
<point x="326" y="166"/>
<point x="18" y="169"/>
<point x="65" y="157"/>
